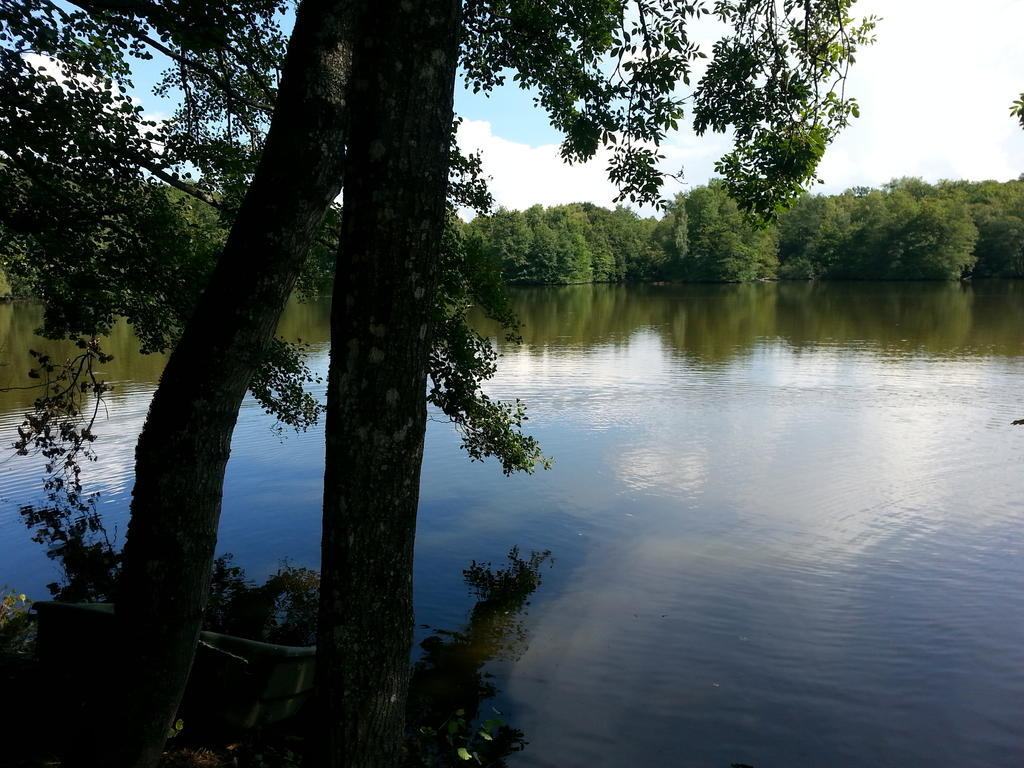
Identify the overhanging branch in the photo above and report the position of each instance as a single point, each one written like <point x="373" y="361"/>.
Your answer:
<point x="178" y="183"/>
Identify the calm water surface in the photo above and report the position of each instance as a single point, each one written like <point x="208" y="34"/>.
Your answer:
<point x="786" y="519"/>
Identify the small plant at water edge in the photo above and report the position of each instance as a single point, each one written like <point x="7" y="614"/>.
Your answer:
<point x="15" y="623"/>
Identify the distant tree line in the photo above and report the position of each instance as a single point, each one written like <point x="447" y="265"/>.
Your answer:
<point x="907" y="230"/>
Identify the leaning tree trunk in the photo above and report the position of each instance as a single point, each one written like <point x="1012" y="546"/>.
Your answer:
<point x="183" y="449"/>
<point x="403" y="76"/>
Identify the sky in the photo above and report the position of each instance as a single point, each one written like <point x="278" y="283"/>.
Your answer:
<point x="934" y="94"/>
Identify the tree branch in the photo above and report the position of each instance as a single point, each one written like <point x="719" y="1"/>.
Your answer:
<point x="176" y="182"/>
<point x="144" y="8"/>
<point x="141" y="8"/>
<point x="201" y="68"/>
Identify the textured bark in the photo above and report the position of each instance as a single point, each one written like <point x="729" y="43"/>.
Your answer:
<point x="183" y="449"/>
<point x="403" y="76"/>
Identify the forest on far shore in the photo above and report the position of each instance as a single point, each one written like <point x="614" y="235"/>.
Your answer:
<point x="907" y="230"/>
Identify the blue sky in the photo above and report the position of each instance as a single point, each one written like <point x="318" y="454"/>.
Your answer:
<point x="513" y="110"/>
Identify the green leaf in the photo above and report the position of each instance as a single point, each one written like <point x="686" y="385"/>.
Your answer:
<point x="464" y="754"/>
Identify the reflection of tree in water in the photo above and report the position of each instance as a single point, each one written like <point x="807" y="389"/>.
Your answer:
<point x="281" y="610"/>
<point x="716" y="323"/>
<point x="74" y="536"/>
<point x="449" y="682"/>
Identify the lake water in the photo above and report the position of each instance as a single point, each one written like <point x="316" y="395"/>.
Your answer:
<point x="786" y="519"/>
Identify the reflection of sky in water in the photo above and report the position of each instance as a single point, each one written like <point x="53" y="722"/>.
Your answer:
<point x="780" y="554"/>
<point x="794" y="557"/>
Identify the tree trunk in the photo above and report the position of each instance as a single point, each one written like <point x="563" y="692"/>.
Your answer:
<point x="403" y="77"/>
<point x="183" y="449"/>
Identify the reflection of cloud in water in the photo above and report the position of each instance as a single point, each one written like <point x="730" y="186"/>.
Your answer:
<point x="799" y="524"/>
<point x="660" y="468"/>
<point x="117" y="427"/>
<point x="606" y="385"/>
<point x="829" y="449"/>
<point x="704" y="642"/>
<point x="612" y="656"/>
<point x="113" y="472"/>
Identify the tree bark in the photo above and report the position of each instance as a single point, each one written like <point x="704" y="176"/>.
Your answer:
<point x="403" y="77"/>
<point x="184" y="447"/>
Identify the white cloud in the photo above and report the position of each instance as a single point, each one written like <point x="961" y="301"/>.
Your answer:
<point x="62" y="74"/>
<point x="58" y="70"/>
<point x="522" y="175"/>
<point x="934" y="91"/>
